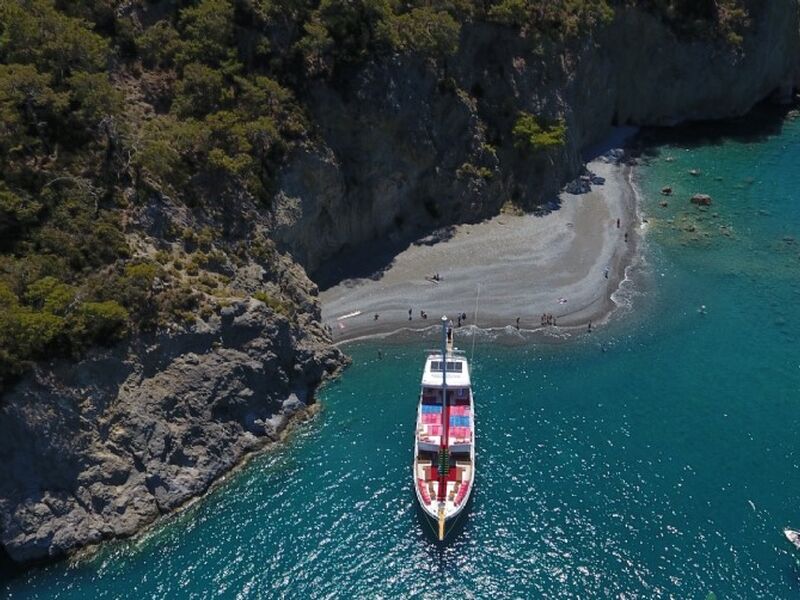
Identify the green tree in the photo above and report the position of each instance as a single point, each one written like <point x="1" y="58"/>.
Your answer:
<point x="50" y="295"/>
<point x="531" y="135"/>
<point x="158" y="45"/>
<point x="16" y="211"/>
<point x="28" y="108"/>
<point x="94" y="97"/>
<point x="427" y="31"/>
<point x="36" y="32"/>
<point x="100" y="322"/>
<point x="200" y="91"/>
<point x="207" y="33"/>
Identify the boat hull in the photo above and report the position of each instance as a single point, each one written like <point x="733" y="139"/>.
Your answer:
<point x="443" y="470"/>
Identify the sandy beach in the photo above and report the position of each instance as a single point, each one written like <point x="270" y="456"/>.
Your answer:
<point x="567" y="263"/>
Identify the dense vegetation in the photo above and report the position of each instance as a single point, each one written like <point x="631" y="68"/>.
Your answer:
<point x="104" y="103"/>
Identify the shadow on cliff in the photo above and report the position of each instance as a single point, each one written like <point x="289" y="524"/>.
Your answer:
<point x="764" y="121"/>
<point x="372" y="259"/>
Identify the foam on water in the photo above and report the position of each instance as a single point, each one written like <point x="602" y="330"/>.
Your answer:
<point x="655" y="458"/>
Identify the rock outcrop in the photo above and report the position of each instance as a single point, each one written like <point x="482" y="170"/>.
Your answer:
<point x="99" y="449"/>
<point x="701" y="200"/>
<point x="408" y="148"/>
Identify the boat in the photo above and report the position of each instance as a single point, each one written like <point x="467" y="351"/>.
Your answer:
<point x="793" y="536"/>
<point x="444" y="442"/>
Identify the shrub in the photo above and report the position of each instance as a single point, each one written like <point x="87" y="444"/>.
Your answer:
<point x="531" y="135"/>
<point x="16" y="211"/>
<point x="556" y="18"/>
<point x="36" y="32"/>
<point x="207" y="30"/>
<point x="94" y="96"/>
<point x="50" y="295"/>
<point x="426" y="31"/>
<point x="199" y="92"/>
<point x="158" y="45"/>
<point x="282" y="307"/>
<point x="100" y="322"/>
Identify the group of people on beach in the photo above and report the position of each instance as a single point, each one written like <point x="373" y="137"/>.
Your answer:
<point x="548" y="319"/>
<point x="422" y="314"/>
<point x="462" y="317"/>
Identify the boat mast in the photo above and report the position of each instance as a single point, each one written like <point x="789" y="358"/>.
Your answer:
<point x="443" y="458"/>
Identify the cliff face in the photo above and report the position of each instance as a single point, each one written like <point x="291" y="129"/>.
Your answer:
<point x="99" y="449"/>
<point x="407" y="148"/>
<point x="96" y="449"/>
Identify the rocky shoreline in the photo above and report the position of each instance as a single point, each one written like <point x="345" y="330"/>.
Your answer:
<point x="99" y="449"/>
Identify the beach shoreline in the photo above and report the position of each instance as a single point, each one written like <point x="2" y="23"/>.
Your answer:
<point x="506" y="267"/>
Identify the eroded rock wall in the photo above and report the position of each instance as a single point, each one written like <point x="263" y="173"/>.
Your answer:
<point x="99" y="449"/>
<point x="408" y="147"/>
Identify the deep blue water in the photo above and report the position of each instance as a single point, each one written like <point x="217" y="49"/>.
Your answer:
<point x="655" y="458"/>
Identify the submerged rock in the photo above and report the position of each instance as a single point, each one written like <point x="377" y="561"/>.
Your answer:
<point x="701" y="200"/>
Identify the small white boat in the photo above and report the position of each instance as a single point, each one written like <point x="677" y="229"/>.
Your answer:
<point x="793" y="536"/>
<point x="444" y="443"/>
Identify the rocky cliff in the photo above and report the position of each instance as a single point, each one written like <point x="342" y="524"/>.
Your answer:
<point x="408" y="147"/>
<point x="99" y="449"/>
<point x="96" y="449"/>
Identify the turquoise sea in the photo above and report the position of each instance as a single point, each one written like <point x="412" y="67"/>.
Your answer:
<point x="658" y="457"/>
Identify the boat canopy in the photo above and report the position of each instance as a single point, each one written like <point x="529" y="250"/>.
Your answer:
<point x="456" y="367"/>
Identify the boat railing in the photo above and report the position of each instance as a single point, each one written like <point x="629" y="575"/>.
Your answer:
<point x="438" y="352"/>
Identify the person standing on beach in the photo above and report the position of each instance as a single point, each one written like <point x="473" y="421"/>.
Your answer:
<point x="376" y="316"/>
<point x="605" y="272"/>
<point x="590" y="327"/>
<point x="617" y="223"/>
<point x="409" y="314"/>
<point x="517" y="323"/>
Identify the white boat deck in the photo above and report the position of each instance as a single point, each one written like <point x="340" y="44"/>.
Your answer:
<point x="433" y="418"/>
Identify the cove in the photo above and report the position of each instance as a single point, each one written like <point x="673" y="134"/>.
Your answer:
<point x="656" y="457"/>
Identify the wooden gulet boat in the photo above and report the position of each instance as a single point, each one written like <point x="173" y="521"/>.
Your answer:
<point x="444" y="444"/>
